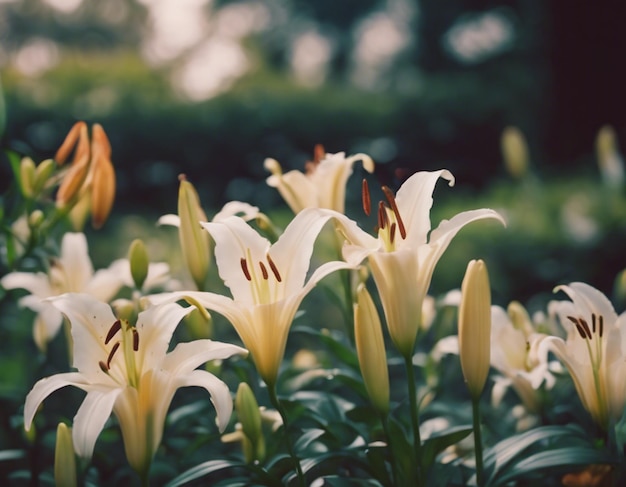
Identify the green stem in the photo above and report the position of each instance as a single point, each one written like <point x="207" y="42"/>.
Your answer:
<point x="394" y="468"/>
<point x="414" y="413"/>
<point x="478" y="442"/>
<point x="276" y="403"/>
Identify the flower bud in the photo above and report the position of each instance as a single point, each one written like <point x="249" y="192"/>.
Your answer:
<point x="36" y="218"/>
<point x="370" y="347"/>
<point x="610" y="160"/>
<point x="250" y="419"/>
<point x="42" y="175"/>
<point x="64" y="458"/>
<point x="514" y="152"/>
<point x="27" y="176"/>
<point x="102" y="190"/>
<point x="139" y="262"/>
<point x="475" y="327"/>
<point x="194" y="240"/>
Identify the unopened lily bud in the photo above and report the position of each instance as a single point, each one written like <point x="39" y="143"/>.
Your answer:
<point x="199" y="324"/>
<point x="102" y="190"/>
<point x="125" y="309"/>
<point x="27" y="176"/>
<point x="520" y="318"/>
<point x="514" y="152"/>
<point x="79" y="212"/>
<point x="73" y="180"/>
<point x="78" y="133"/>
<point x="42" y="175"/>
<point x="250" y="419"/>
<point x="139" y="262"/>
<point x="64" y="458"/>
<point x="36" y="218"/>
<point x="475" y="327"/>
<point x="610" y="160"/>
<point x="194" y="240"/>
<point x="370" y="347"/>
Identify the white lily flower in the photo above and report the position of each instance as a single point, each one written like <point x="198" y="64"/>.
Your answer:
<point x="594" y="351"/>
<point x="127" y="370"/>
<point x="267" y="282"/>
<point x="323" y="185"/>
<point x="516" y="354"/>
<point x="404" y="255"/>
<point x="71" y="272"/>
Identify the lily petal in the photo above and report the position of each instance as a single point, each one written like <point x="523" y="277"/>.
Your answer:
<point x="77" y="267"/>
<point x="34" y="282"/>
<point x="44" y="387"/>
<point x="220" y="394"/>
<point x="415" y="199"/>
<point x="90" y="419"/>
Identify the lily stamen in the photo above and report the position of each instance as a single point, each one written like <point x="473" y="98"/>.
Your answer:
<point x="117" y="326"/>
<point x="383" y="219"/>
<point x="392" y="232"/>
<point x="111" y="354"/>
<point x="274" y="268"/>
<point x="366" y="198"/>
<point x="394" y="207"/>
<point x="244" y="268"/>
<point x="103" y="367"/>
<point x="135" y="339"/>
<point x="264" y="271"/>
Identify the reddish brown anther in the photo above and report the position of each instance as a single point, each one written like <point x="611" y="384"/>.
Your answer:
<point x="382" y="216"/>
<point x="366" y="198"/>
<point x="392" y="202"/>
<point x="111" y="353"/>
<point x="264" y="270"/>
<point x="117" y="326"/>
<point x="135" y="340"/>
<point x="274" y="268"/>
<point x="244" y="268"/>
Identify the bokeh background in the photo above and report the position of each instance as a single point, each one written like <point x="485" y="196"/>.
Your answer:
<point x="210" y="88"/>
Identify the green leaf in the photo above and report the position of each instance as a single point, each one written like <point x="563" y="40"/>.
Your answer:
<point x="573" y="456"/>
<point x="440" y="441"/>
<point x="331" y="339"/>
<point x="204" y="469"/>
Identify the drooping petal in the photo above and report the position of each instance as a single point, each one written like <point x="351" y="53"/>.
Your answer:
<point x="415" y="199"/>
<point x="36" y="283"/>
<point x="170" y="219"/>
<point x="44" y="387"/>
<point x="90" y="321"/>
<point x="441" y="237"/>
<point x="237" y="208"/>
<point x="77" y="267"/>
<point x="90" y="419"/>
<point x="220" y="394"/>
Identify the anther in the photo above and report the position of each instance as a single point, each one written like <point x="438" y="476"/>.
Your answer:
<point x="586" y="327"/>
<point x="111" y="353"/>
<point x="593" y="322"/>
<point x="579" y="327"/>
<point x="274" y="268"/>
<point x="135" y="339"/>
<point x="264" y="271"/>
<point x="392" y="202"/>
<point x="117" y="326"/>
<point x="392" y="232"/>
<point x="365" y="197"/>
<point x="244" y="268"/>
<point x="382" y="216"/>
<point x="600" y="325"/>
<point x="103" y="367"/>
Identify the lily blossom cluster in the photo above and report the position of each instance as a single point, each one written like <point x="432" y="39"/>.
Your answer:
<point x="125" y="368"/>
